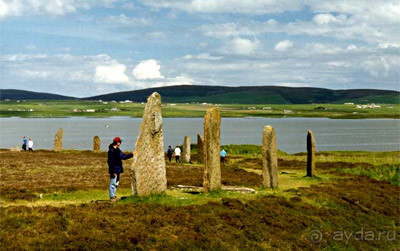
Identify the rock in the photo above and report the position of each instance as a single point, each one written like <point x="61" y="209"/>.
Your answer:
<point x="200" y="148"/>
<point x="58" y="140"/>
<point x="310" y="154"/>
<point x="96" y="144"/>
<point x="270" y="158"/>
<point x="212" y="169"/>
<point x="186" y="149"/>
<point x="15" y="149"/>
<point x="148" y="168"/>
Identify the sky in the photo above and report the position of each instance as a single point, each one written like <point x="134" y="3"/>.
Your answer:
<point x="84" y="48"/>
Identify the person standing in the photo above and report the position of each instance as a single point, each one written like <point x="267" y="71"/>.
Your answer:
<point x="30" y="144"/>
<point x="223" y="156"/>
<point x="24" y="143"/>
<point x="169" y="153"/>
<point x="115" y="157"/>
<point x="177" y="154"/>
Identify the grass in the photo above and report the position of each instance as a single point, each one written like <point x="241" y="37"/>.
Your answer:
<point x="66" y="108"/>
<point x="389" y="173"/>
<point x="358" y="190"/>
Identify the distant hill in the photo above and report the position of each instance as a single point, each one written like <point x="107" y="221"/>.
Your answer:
<point x="255" y="95"/>
<point x="230" y="95"/>
<point x="28" y="95"/>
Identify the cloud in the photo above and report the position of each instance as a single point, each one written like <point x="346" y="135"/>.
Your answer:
<point x="228" y="6"/>
<point x="283" y="45"/>
<point x="111" y="74"/>
<point x="203" y="56"/>
<point x="48" y="7"/>
<point x="240" y="46"/>
<point x="147" y="69"/>
<point x="323" y="19"/>
<point x="128" y="21"/>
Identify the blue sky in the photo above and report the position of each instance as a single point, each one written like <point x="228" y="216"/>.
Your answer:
<point x="89" y="47"/>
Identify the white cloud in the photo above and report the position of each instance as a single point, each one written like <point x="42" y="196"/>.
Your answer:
<point x="203" y="56"/>
<point x="283" y="45"/>
<point x="111" y="74"/>
<point x="147" y="69"/>
<point x="228" y="6"/>
<point x="240" y="46"/>
<point x="324" y="19"/>
<point x="128" y="21"/>
<point x="48" y="7"/>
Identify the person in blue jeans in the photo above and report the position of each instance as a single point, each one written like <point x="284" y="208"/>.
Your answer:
<point x="223" y="156"/>
<point x="115" y="157"/>
<point x="24" y="143"/>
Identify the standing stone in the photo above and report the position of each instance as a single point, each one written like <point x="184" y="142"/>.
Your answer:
<point x="200" y="148"/>
<point x="96" y="144"/>
<point x="310" y="154"/>
<point x="270" y="158"/>
<point x="148" y="169"/>
<point x="186" y="149"/>
<point x="58" y="140"/>
<point x="212" y="169"/>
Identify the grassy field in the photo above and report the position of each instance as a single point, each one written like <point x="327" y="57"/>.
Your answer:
<point x="66" y="109"/>
<point x="352" y="203"/>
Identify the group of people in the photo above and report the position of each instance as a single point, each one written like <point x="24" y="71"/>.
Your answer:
<point x="115" y="157"/>
<point x="27" y="144"/>
<point x="176" y="151"/>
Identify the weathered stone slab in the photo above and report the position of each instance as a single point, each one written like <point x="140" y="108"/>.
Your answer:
<point x="58" y="140"/>
<point x="200" y="148"/>
<point x="186" y="188"/>
<point x="96" y="144"/>
<point x="310" y="154"/>
<point x="270" y="158"/>
<point x="186" y="149"/>
<point x="212" y="169"/>
<point x="148" y="168"/>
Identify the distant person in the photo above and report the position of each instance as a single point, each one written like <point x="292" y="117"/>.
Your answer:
<point x="30" y="144"/>
<point x="169" y="153"/>
<point x="177" y="154"/>
<point x="223" y="156"/>
<point x="24" y="143"/>
<point x="115" y="157"/>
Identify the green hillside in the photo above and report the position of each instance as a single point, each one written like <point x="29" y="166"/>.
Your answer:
<point x="256" y="95"/>
<point x="230" y="95"/>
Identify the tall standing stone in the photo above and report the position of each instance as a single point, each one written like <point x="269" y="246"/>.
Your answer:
<point x="148" y="168"/>
<point x="96" y="144"/>
<point x="58" y="140"/>
<point x="200" y="148"/>
<point x="310" y="154"/>
<point x="186" y="149"/>
<point x="212" y="169"/>
<point x="270" y="158"/>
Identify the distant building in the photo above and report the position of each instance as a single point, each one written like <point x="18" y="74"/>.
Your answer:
<point x="251" y="108"/>
<point x="267" y="108"/>
<point x="349" y="103"/>
<point x="287" y="111"/>
<point x="90" y="110"/>
<point x="114" y="109"/>
<point x="372" y="106"/>
<point x="105" y="103"/>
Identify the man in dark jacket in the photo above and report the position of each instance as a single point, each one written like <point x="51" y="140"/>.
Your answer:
<point x="115" y="157"/>
<point x="169" y="153"/>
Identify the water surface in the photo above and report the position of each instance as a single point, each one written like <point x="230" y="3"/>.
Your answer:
<point x="330" y="134"/>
